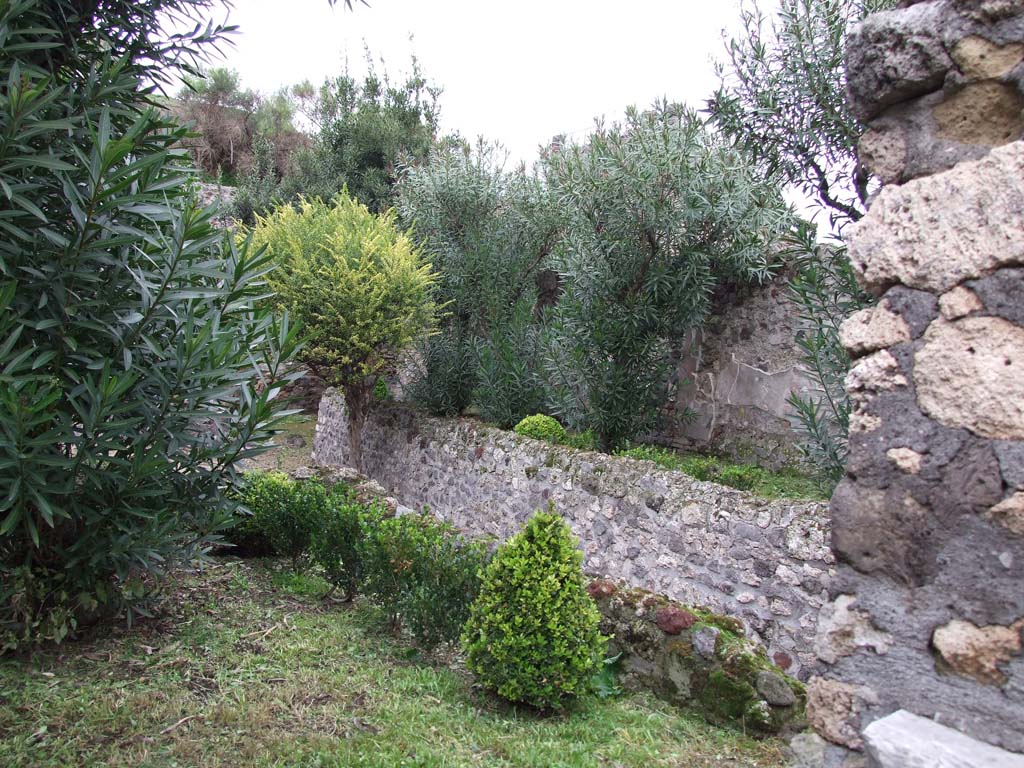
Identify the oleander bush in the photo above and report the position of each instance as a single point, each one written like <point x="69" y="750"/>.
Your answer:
<point x="510" y="380"/>
<point x="489" y="233"/>
<point x="657" y="213"/>
<point x="532" y="635"/>
<point x="446" y="372"/>
<point x="138" y="367"/>
<point x="541" y="427"/>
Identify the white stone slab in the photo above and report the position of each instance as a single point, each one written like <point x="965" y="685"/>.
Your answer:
<point x="906" y="740"/>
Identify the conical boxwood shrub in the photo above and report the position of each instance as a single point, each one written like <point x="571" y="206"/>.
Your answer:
<point x="532" y="635"/>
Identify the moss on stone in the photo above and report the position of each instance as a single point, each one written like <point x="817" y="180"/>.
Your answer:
<point x="725" y="687"/>
<point x="680" y="647"/>
<point x="634" y="597"/>
<point x="727" y="624"/>
<point x="725" y="698"/>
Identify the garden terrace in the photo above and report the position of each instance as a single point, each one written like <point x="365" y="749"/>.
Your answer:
<point x="248" y="666"/>
<point x="764" y="561"/>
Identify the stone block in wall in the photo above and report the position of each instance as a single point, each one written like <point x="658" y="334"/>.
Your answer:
<point x="937" y="232"/>
<point x="938" y="83"/>
<point x="696" y="658"/>
<point x="905" y="740"/>
<point x="969" y="374"/>
<point x="895" y="56"/>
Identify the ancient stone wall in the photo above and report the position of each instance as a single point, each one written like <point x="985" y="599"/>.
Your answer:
<point x="762" y="561"/>
<point x="733" y="377"/>
<point x="696" y="659"/>
<point x="924" y="636"/>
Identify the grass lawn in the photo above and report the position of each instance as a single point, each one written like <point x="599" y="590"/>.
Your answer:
<point x="768" y="484"/>
<point x="293" y="447"/>
<point x="245" y="666"/>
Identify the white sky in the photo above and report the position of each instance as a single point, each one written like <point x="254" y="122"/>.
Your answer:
<point x="518" y="71"/>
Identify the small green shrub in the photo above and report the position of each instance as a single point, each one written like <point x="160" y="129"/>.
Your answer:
<point x="582" y="441"/>
<point x="541" y="427"/>
<point x="437" y="606"/>
<point x="336" y="544"/>
<point x="285" y="512"/>
<point x="424" y="574"/>
<point x="381" y="393"/>
<point x="532" y="635"/>
<point x="391" y="555"/>
<point x="244" y="538"/>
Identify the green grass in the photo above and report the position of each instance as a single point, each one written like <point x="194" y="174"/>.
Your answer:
<point x="247" y="666"/>
<point x="284" y="457"/>
<point x="786" y="484"/>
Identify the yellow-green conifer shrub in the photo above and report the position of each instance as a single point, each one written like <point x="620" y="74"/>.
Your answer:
<point x="532" y="635"/>
<point x="360" y="287"/>
<point x="541" y="427"/>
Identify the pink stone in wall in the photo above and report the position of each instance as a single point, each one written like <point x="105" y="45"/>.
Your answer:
<point x="783" y="660"/>
<point x="673" y="620"/>
<point x="601" y="588"/>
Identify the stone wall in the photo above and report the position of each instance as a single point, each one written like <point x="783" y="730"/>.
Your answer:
<point x="696" y="659"/>
<point x="762" y="561"/>
<point x="924" y="635"/>
<point x="735" y="375"/>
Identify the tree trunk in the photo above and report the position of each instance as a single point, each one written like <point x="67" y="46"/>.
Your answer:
<point x="357" y="403"/>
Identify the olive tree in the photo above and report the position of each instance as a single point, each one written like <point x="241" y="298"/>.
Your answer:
<point x="490" y="232"/>
<point x="360" y="287"/>
<point x="658" y="213"/>
<point x="783" y="99"/>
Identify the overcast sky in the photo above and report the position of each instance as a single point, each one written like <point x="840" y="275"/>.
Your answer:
<point x="518" y="71"/>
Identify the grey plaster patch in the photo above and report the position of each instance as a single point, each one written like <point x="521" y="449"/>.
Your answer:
<point x="1002" y="294"/>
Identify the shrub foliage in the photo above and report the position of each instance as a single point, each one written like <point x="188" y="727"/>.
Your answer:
<point x="424" y="574"/>
<point x="287" y="513"/>
<point x="136" y="367"/>
<point x="363" y="130"/>
<point x="336" y="544"/>
<point x="359" y="286"/>
<point x="489" y="232"/>
<point x="658" y="213"/>
<point x="532" y="635"/>
<point x="541" y="427"/>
